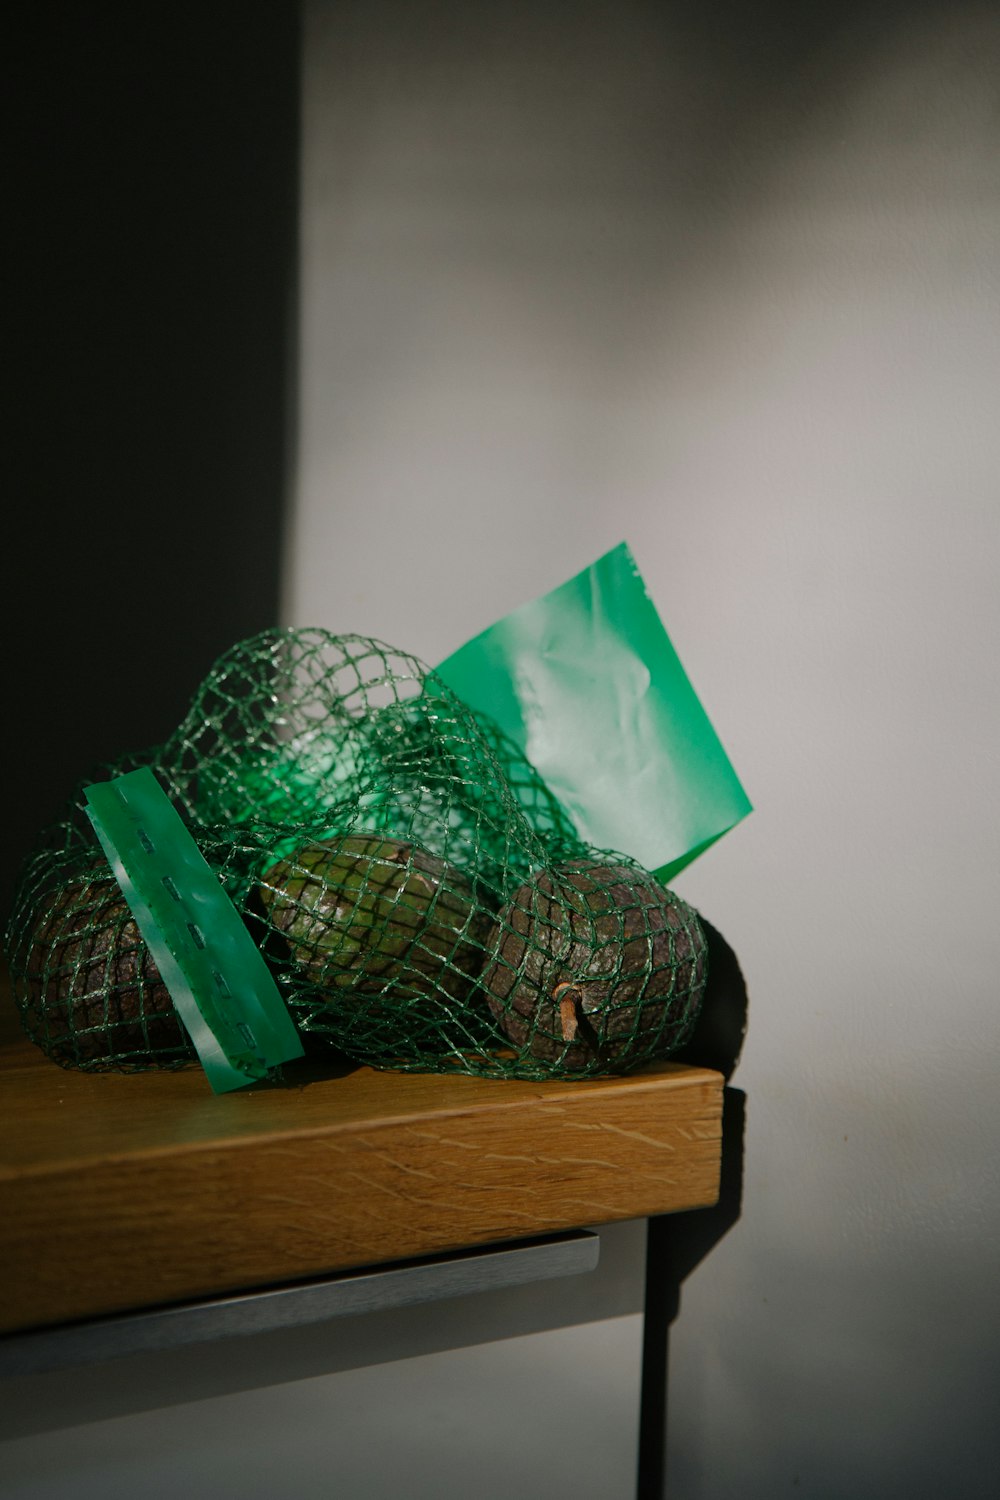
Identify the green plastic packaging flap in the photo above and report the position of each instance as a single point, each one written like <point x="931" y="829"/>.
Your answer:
<point x="586" y="682"/>
<point x="218" y="981"/>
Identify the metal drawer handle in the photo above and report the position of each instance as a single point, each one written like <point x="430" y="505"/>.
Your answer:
<point x="401" y="1285"/>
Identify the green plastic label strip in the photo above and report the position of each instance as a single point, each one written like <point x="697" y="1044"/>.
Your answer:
<point x="218" y="981"/>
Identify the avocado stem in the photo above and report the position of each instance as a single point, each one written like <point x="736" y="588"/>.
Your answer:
<point x="568" y="997"/>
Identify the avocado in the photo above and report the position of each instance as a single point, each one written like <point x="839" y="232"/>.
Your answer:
<point x="595" y="967"/>
<point x="365" y="912"/>
<point x="94" y="996"/>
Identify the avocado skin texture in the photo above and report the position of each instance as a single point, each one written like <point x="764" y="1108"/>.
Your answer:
<point x="95" y="997"/>
<point x="365" y="912"/>
<point x="595" y="967"/>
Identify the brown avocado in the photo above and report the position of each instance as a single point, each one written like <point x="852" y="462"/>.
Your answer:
<point x="595" y="967"/>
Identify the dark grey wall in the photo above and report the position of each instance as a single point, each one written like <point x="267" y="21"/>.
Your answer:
<point x="154" y="217"/>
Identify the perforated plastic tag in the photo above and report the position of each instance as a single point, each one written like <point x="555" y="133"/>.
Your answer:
<point x="218" y="981"/>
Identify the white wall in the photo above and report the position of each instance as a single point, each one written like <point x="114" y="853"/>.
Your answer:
<point x="727" y="285"/>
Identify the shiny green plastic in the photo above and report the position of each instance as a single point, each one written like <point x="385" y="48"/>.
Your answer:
<point x="587" y="683"/>
<point x="218" y="981"/>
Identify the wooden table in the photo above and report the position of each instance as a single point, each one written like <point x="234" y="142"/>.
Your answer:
<point x="121" y="1192"/>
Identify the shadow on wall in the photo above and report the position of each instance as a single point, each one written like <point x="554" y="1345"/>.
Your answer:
<point x="719" y="1032"/>
<point x="677" y="1243"/>
<point x="155" y="222"/>
<point x="716" y="1043"/>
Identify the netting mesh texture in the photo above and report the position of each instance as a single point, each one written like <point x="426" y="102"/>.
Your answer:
<point x="419" y="896"/>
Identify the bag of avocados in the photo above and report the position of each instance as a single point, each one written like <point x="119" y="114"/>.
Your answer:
<point x="421" y="896"/>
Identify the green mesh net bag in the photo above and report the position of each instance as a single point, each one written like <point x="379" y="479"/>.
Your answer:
<point x="417" y="893"/>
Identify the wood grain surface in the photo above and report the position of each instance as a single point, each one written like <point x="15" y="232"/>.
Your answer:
<point x="121" y="1191"/>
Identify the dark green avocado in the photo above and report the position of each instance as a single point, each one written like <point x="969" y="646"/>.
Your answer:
<point x="366" y="912"/>
<point x="94" y="995"/>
